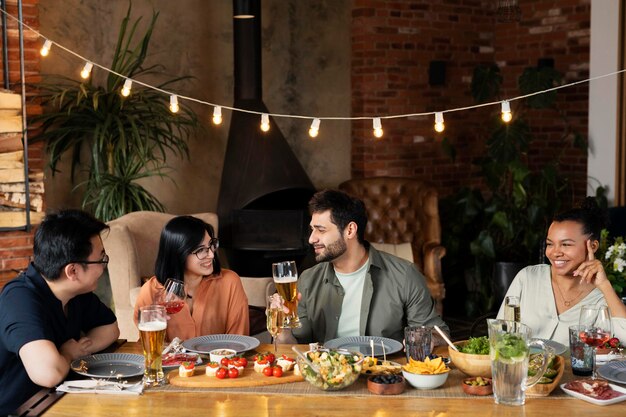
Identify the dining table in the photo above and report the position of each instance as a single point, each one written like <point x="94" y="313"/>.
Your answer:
<point x="354" y="401"/>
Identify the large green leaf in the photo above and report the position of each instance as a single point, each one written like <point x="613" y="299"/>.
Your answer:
<point x="486" y="82"/>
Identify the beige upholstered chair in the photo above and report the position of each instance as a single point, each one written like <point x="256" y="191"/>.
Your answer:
<point x="401" y="211"/>
<point x="132" y="243"/>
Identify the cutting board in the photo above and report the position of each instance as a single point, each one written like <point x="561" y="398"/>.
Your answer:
<point x="249" y="378"/>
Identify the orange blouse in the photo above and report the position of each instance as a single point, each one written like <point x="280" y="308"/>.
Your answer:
<point x="220" y="306"/>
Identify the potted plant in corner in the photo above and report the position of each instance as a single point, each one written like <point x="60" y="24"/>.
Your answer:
<point x="502" y="225"/>
<point x="127" y="138"/>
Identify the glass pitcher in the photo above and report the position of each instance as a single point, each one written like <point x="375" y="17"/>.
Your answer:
<point x="509" y="348"/>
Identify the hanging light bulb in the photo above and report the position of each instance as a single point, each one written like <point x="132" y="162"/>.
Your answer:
<point x="217" y="115"/>
<point x="378" y="127"/>
<point x="128" y="84"/>
<point x="174" y="103"/>
<point x="86" y="72"/>
<point x="265" y="122"/>
<point x="439" y="126"/>
<point x="506" y="112"/>
<point x="45" y="49"/>
<point x="315" y="128"/>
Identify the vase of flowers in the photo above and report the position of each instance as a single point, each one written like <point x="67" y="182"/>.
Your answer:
<point x="612" y="253"/>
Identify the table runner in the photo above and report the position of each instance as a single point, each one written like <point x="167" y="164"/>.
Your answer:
<point x="451" y="389"/>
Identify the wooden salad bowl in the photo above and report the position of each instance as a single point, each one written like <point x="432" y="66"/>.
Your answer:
<point x="470" y="364"/>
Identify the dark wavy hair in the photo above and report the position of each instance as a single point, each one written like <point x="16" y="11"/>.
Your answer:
<point x="343" y="210"/>
<point x="589" y="215"/>
<point x="62" y="238"/>
<point x="179" y="237"/>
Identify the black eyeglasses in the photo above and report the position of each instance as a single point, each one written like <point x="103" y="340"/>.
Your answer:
<point x="203" y="252"/>
<point x="104" y="261"/>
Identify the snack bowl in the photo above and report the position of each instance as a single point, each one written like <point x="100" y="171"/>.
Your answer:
<point x="217" y="355"/>
<point x="338" y="368"/>
<point x="385" y="385"/>
<point x="470" y="364"/>
<point x="476" y="389"/>
<point x="542" y="389"/>
<point x="425" y="381"/>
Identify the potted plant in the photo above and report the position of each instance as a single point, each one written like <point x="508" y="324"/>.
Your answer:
<point x="505" y="221"/>
<point x="127" y="138"/>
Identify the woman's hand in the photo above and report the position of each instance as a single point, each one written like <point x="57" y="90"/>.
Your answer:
<point x="591" y="271"/>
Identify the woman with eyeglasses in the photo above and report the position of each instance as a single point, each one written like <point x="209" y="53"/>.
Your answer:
<point x="216" y="302"/>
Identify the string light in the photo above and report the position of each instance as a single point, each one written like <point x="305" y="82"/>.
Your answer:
<point x="128" y="84"/>
<point x="45" y="49"/>
<point x="378" y="127"/>
<point x="315" y="128"/>
<point x="439" y="126"/>
<point x="265" y="122"/>
<point x="506" y="112"/>
<point x="265" y="116"/>
<point x="174" y="103"/>
<point x="86" y="72"/>
<point x="217" y="115"/>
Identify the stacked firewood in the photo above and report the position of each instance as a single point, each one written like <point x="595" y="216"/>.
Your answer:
<point x="12" y="183"/>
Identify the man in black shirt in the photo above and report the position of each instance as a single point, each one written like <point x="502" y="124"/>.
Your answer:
<point x="49" y="315"/>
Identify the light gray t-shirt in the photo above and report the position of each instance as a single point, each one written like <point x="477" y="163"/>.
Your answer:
<point x="350" y="318"/>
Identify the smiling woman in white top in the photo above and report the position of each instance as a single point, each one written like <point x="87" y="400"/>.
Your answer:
<point x="551" y="296"/>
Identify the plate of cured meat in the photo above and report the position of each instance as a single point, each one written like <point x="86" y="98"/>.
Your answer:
<point x="595" y="391"/>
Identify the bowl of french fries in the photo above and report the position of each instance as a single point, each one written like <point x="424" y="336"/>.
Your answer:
<point x="427" y="374"/>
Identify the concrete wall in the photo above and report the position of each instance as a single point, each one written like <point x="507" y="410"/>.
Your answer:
<point x="306" y="65"/>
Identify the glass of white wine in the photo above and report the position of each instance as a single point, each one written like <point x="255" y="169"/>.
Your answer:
<point x="275" y="320"/>
<point x="512" y="310"/>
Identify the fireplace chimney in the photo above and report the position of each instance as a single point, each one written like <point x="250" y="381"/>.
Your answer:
<point x="261" y="174"/>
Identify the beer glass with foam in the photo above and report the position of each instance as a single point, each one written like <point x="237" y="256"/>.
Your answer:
<point x="286" y="281"/>
<point x="152" y="325"/>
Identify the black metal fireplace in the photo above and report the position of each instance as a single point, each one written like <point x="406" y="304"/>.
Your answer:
<point x="264" y="190"/>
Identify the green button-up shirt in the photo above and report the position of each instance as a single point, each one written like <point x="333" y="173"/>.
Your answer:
<point x="395" y="295"/>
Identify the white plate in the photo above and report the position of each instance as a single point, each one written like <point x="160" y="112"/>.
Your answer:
<point x="110" y="365"/>
<point x="595" y="400"/>
<point x="559" y="349"/>
<point x="362" y="344"/>
<point x="614" y="371"/>
<point x="205" y="344"/>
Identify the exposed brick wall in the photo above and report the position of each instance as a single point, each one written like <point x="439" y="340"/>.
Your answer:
<point x="16" y="246"/>
<point x="393" y="43"/>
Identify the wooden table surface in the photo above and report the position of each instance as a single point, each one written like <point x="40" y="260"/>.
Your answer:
<point x="257" y="405"/>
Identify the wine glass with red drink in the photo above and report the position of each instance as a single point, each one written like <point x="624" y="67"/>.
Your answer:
<point x="596" y="328"/>
<point x="172" y="296"/>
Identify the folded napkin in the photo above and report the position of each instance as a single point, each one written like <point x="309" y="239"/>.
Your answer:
<point x="99" y="386"/>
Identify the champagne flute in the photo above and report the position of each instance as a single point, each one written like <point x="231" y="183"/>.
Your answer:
<point x="286" y="280"/>
<point x="275" y="320"/>
<point x="173" y="296"/>
<point x="596" y="328"/>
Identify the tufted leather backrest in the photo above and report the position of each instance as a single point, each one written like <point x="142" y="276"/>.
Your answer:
<point x="399" y="210"/>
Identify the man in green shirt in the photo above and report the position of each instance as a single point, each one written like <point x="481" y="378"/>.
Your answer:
<point x="356" y="290"/>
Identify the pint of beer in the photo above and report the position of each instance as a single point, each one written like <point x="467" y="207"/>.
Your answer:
<point x="152" y="325"/>
<point x="286" y="281"/>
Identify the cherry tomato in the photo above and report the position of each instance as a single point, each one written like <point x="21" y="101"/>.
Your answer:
<point x="268" y="371"/>
<point x="221" y="373"/>
<point x="244" y="362"/>
<point x="233" y="373"/>
<point x="278" y="371"/>
<point x="262" y="361"/>
<point x="239" y="362"/>
<point x="225" y="361"/>
<point x="270" y="357"/>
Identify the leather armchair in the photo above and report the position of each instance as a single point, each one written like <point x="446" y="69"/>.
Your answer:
<point x="404" y="210"/>
<point x="132" y="243"/>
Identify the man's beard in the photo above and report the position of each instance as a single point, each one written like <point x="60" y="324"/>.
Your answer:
<point x="332" y="251"/>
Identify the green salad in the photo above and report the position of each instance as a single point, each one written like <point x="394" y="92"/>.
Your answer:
<point x="476" y="346"/>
